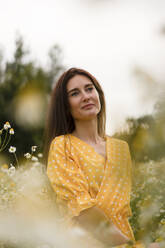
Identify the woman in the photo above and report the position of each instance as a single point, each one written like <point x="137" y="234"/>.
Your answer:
<point x="89" y="171"/>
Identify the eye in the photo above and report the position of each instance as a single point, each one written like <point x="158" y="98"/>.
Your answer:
<point x="74" y="93"/>
<point x="90" y="89"/>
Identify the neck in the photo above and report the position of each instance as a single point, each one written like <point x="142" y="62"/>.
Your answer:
<point x="87" y="131"/>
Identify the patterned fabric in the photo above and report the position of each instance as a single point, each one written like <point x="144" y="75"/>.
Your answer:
<point x="83" y="178"/>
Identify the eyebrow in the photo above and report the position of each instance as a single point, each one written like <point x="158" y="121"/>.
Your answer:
<point x="74" y="89"/>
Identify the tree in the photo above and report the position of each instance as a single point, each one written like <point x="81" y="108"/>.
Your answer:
<point x="24" y="93"/>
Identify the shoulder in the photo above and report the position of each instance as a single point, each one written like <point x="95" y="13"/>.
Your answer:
<point x="58" y="142"/>
<point x="117" y="142"/>
<point x="58" y="139"/>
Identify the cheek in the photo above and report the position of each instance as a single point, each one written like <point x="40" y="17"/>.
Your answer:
<point x="73" y="105"/>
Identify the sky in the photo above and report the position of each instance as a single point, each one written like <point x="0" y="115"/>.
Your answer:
<point x="109" y="38"/>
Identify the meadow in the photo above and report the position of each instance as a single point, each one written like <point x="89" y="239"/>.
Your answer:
<point x="29" y="215"/>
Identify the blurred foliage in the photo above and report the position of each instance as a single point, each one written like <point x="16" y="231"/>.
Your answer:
<point x="148" y="201"/>
<point x="146" y="134"/>
<point x="24" y="92"/>
<point x="146" y="138"/>
<point x="28" y="199"/>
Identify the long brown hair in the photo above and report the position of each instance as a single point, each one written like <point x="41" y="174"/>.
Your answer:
<point x="59" y="119"/>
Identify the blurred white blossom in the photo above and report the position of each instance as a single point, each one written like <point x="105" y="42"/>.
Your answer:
<point x="40" y="155"/>
<point x="33" y="148"/>
<point x="11" y="131"/>
<point x="35" y="159"/>
<point x="27" y="155"/>
<point x="7" y="125"/>
<point x="12" y="149"/>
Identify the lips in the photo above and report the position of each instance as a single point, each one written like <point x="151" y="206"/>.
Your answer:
<point x="88" y="105"/>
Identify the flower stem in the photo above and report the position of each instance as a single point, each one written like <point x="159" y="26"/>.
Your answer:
<point x="3" y="144"/>
<point x="6" y="143"/>
<point x="16" y="159"/>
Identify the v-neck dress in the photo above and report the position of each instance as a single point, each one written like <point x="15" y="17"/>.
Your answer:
<point x="83" y="178"/>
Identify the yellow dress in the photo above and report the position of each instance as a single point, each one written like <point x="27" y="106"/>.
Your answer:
<point x="83" y="178"/>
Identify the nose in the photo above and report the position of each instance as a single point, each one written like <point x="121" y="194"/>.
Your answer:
<point x="85" y="96"/>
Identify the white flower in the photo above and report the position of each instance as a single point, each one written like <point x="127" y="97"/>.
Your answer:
<point x="11" y="131"/>
<point x="33" y="148"/>
<point x="35" y="159"/>
<point x="40" y="155"/>
<point x="11" y="171"/>
<point x="7" y="125"/>
<point x="36" y="164"/>
<point x="12" y="149"/>
<point x="27" y="155"/>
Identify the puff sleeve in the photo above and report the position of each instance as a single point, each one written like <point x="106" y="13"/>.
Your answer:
<point x="66" y="177"/>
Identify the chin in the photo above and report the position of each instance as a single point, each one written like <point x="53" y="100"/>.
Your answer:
<point x="88" y="117"/>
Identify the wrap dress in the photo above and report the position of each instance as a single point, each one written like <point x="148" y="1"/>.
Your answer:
<point x="83" y="178"/>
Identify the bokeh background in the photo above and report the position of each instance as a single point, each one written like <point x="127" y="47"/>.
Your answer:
<point x="122" y="43"/>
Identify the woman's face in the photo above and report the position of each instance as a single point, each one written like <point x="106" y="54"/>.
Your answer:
<point x="83" y="98"/>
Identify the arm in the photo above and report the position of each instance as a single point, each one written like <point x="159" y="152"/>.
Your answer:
<point x="154" y="245"/>
<point x="94" y="220"/>
<point x="67" y="179"/>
